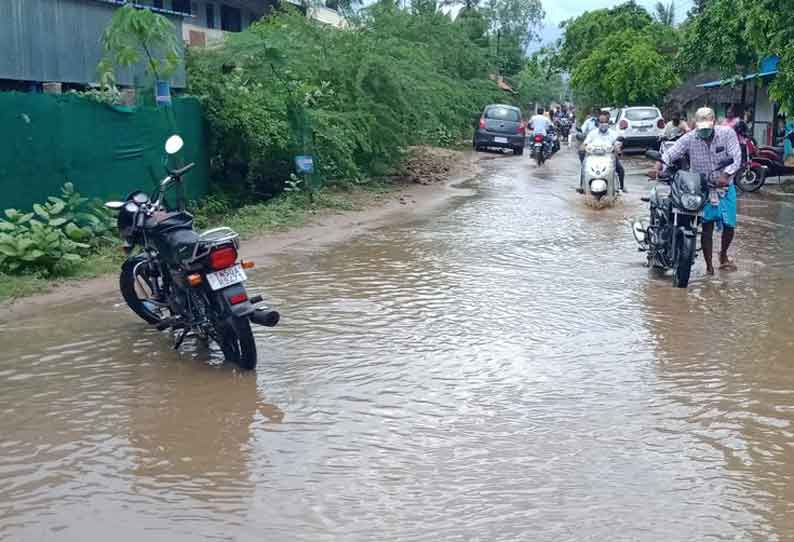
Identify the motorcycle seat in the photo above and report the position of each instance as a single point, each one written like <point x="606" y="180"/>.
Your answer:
<point x="181" y="243"/>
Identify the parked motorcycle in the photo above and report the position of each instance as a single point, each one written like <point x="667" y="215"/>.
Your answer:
<point x="772" y="159"/>
<point x="752" y="174"/>
<point x="185" y="281"/>
<point x="670" y="237"/>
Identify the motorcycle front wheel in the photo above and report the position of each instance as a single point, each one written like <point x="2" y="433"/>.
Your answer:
<point x="750" y="180"/>
<point x="237" y="342"/>
<point x="137" y="287"/>
<point x="684" y="261"/>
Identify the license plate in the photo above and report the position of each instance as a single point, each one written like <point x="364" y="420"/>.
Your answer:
<point x="226" y="277"/>
<point x="500" y="140"/>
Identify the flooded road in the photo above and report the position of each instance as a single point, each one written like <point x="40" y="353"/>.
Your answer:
<point x="503" y="369"/>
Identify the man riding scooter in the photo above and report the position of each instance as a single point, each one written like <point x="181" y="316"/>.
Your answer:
<point x="603" y="135"/>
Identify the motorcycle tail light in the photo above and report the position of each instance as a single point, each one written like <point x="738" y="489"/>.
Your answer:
<point x="223" y="257"/>
<point x="238" y="298"/>
<point x="538" y="138"/>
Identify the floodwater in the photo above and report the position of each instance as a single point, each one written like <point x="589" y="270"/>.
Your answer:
<point x="503" y="369"/>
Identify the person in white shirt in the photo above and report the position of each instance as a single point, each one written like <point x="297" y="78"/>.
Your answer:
<point x="539" y="123"/>
<point x="603" y="135"/>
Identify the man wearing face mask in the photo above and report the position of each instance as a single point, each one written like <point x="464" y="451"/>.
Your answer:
<point x="706" y="146"/>
<point x="604" y="136"/>
<point x="676" y="126"/>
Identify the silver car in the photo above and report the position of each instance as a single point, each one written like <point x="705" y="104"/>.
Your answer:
<point x="640" y="127"/>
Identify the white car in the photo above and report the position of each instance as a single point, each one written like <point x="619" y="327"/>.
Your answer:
<point x="640" y="127"/>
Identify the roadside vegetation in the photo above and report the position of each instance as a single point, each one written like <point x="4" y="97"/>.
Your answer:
<point x="626" y="55"/>
<point x="356" y="99"/>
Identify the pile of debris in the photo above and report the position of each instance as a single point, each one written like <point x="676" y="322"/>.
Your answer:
<point x="430" y="165"/>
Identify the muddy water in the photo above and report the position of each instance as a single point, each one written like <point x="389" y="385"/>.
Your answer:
<point x="505" y="369"/>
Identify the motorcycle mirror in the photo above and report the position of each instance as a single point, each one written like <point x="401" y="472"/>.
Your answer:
<point x="174" y="144"/>
<point x="115" y="205"/>
<point x="654" y="155"/>
<point x="140" y="198"/>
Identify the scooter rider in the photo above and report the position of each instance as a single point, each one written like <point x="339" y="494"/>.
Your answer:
<point x="706" y="145"/>
<point x="603" y="135"/>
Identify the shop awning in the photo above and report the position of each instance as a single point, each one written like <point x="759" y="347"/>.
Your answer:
<point x="768" y="68"/>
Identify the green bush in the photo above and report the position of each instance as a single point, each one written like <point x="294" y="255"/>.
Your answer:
<point x="55" y="235"/>
<point x="397" y="79"/>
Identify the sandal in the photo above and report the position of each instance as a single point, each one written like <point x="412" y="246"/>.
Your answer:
<point x="726" y="264"/>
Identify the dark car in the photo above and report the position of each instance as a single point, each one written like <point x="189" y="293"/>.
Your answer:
<point x="501" y="126"/>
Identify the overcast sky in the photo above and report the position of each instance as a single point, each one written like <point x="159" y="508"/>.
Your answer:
<point x="560" y="10"/>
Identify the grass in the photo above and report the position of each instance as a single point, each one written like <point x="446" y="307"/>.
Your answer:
<point x="290" y="210"/>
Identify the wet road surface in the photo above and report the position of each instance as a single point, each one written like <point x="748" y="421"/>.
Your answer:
<point x="503" y="369"/>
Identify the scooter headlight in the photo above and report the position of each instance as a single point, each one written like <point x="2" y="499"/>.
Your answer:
<point x="691" y="202"/>
<point x="598" y="186"/>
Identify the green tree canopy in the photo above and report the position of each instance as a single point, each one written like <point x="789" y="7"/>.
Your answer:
<point x="584" y="33"/>
<point x="770" y="31"/>
<point x="714" y="38"/>
<point x="638" y="75"/>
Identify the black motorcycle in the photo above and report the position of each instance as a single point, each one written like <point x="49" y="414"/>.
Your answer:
<point x="670" y="238"/>
<point x="185" y="281"/>
<point x="564" y="126"/>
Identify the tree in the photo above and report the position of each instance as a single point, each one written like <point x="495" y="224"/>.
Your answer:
<point x="134" y="33"/>
<point x="538" y="82"/>
<point x="715" y="38"/>
<point x="770" y="31"/>
<point x="639" y="75"/>
<point x="665" y="14"/>
<point x="584" y="33"/>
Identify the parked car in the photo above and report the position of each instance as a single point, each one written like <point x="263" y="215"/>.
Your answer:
<point x="501" y="126"/>
<point x="640" y="127"/>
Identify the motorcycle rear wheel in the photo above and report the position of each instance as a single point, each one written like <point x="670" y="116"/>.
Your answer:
<point x="684" y="261"/>
<point x="237" y="342"/>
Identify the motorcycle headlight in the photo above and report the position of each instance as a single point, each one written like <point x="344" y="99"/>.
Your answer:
<point x="691" y="202"/>
<point x="598" y="186"/>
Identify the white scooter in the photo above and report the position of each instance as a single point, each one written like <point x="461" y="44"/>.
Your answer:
<point x="599" y="176"/>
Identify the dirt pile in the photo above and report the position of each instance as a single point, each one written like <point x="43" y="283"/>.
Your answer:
<point x="430" y="165"/>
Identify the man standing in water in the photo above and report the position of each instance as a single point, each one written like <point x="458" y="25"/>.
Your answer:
<point x="706" y="146"/>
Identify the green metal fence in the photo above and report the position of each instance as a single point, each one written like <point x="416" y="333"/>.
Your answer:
<point x="106" y="151"/>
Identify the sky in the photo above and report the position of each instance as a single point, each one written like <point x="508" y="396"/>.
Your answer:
<point x="560" y="10"/>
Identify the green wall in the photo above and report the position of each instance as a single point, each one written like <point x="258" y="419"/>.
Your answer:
<point x="106" y="151"/>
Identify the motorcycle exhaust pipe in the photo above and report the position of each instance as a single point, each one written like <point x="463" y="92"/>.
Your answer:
<point x="265" y="317"/>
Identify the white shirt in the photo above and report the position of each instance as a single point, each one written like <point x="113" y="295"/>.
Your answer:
<point x="539" y="124"/>
<point x="589" y="125"/>
<point x="595" y="137"/>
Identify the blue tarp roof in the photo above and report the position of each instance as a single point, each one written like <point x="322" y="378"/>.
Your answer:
<point x="768" y="68"/>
